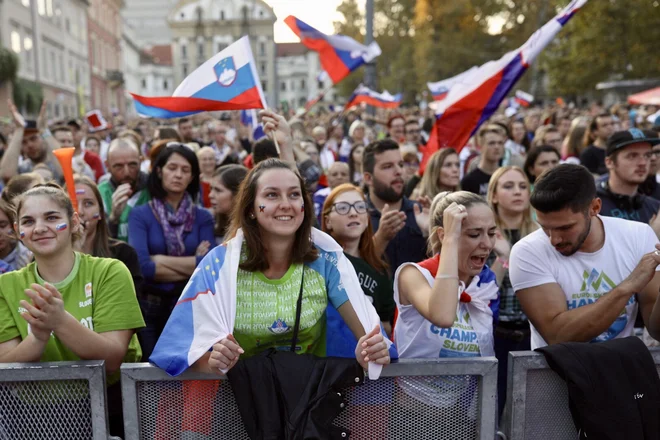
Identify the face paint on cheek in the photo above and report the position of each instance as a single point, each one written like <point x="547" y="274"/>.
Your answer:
<point x="80" y="191"/>
<point x="261" y="208"/>
<point x="21" y="234"/>
<point x="96" y="216"/>
<point x="61" y="227"/>
<point x="302" y="208"/>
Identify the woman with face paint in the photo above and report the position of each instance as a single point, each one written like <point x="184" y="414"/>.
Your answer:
<point x="247" y="291"/>
<point x="171" y="234"/>
<point x="65" y="305"/>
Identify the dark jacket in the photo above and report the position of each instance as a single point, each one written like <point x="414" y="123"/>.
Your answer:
<point x="613" y="388"/>
<point x="287" y="396"/>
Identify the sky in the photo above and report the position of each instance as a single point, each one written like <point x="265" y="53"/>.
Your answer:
<point x="317" y="13"/>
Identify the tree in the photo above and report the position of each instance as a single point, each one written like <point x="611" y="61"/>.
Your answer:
<point x="607" y="40"/>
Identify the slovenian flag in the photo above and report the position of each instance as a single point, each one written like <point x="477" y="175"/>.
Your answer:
<point x="339" y="54"/>
<point x="440" y="89"/>
<point x="474" y="99"/>
<point x="523" y="98"/>
<point x="228" y="81"/>
<point x="249" y="119"/>
<point x="367" y="96"/>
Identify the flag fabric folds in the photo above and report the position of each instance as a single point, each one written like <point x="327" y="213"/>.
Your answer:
<point x="473" y="100"/>
<point x="523" y="98"/>
<point x="339" y="54"/>
<point x="367" y="96"/>
<point x="249" y="119"/>
<point x="227" y="81"/>
<point x="440" y="89"/>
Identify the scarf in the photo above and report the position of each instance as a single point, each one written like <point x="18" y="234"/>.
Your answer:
<point x="174" y="224"/>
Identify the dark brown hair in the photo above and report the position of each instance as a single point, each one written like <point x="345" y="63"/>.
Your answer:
<point x="303" y="247"/>
<point x="231" y="176"/>
<point x="101" y="246"/>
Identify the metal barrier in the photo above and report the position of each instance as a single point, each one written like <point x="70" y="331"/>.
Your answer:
<point x="53" y="400"/>
<point x="537" y="399"/>
<point x="444" y="399"/>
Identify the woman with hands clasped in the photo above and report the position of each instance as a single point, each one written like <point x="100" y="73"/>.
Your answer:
<point x="276" y="283"/>
<point x="66" y="305"/>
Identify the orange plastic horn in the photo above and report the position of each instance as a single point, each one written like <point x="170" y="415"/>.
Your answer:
<point x="65" y="158"/>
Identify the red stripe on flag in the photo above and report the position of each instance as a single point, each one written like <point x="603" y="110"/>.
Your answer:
<point x="249" y="99"/>
<point x="454" y="128"/>
<point x="372" y="101"/>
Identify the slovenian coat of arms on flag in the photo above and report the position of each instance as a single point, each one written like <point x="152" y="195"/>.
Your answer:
<point x="227" y="81"/>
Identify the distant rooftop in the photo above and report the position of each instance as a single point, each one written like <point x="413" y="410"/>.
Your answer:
<point x="291" y="49"/>
<point x="160" y="54"/>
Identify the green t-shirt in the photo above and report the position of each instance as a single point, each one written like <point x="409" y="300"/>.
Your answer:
<point x="377" y="286"/>
<point x="266" y="311"/>
<point x="139" y="198"/>
<point x="99" y="293"/>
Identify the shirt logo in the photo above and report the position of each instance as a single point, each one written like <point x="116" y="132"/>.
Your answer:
<point x="279" y="327"/>
<point x="88" y="290"/>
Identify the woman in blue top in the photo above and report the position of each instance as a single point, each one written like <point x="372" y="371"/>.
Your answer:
<point x="171" y="235"/>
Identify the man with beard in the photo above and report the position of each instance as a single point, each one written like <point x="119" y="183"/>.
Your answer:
<point x="583" y="277"/>
<point x="400" y="226"/>
<point x="628" y="160"/>
<point x="34" y="141"/>
<point x="126" y="187"/>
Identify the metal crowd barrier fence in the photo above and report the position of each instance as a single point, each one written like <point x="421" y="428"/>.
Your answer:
<point x="443" y="399"/>
<point x="537" y="399"/>
<point x="53" y="400"/>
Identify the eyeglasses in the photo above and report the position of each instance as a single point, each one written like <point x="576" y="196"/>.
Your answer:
<point x="343" y="208"/>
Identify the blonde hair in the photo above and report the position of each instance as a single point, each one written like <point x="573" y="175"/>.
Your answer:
<point x="430" y="184"/>
<point x="438" y="206"/>
<point x="205" y="150"/>
<point x="528" y="224"/>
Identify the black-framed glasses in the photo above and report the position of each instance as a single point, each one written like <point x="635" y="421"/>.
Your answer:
<point x="343" y="208"/>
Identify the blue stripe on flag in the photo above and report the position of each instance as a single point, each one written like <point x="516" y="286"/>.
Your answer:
<point x="217" y="92"/>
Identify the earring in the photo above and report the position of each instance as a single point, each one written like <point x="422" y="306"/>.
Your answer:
<point x="252" y="216"/>
<point x="261" y="208"/>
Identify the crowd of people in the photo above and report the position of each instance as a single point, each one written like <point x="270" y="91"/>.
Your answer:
<point x="324" y="237"/>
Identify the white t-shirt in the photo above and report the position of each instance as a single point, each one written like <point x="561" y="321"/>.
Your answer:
<point x="584" y="277"/>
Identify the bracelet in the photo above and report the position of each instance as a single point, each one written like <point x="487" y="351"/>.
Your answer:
<point x="46" y="134"/>
<point x="444" y="276"/>
<point x="503" y="262"/>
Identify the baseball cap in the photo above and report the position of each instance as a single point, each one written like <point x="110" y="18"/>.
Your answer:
<point x="622" y="139"/>
<point x="30" y="126"/>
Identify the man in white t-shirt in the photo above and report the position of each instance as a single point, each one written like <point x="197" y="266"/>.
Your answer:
<point x="582" y="277"/>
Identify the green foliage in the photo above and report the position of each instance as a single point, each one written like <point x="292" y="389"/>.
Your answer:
<point x="28" y="96"/>
<point x="8" y="65"/>
<point x="430" y="40"/>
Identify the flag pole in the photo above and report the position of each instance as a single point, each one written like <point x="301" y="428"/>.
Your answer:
<point x="318" y="98"/>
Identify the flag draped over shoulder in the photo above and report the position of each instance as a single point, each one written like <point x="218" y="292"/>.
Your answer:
<point x="363" y="94"/>
<point x="227" y="81"/>
<point x="206" y="310"/>
<point x="473" y="100"/>
<point x="339" y="54"/>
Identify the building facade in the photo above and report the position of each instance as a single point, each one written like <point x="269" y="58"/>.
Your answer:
<point x="202" y="28"/>
<point x="104" y="34"/>
<point x="299" y="77"/>
<point x="148" y="18"/>
<point x="51" y="41"/>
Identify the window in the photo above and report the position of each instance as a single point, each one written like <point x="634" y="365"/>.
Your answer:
<point x="144" y="83"/>
<point x="184" y="52"/>
<point x="263" y="68"/>
<point x="15" y="42"/>
<point x="61" y="59"/>
<point x="263" y="86"/>
<point x="302" y="84"/>
<point x="200" y="49"/>
<point x="53" y="71"/>
<point x="221" y="47"/>
<point x="67" y="25"/>
<point x="262" y="48"/>
<point x="165" y="84"/>
<point x="320" y="84"/>
<point x="293" y="86"/>
<point x="57" y="110"/>
<point x="185" y="70"/>
<point x="222" y="15"/>
<point x="41" y="7"/>
<point x="26" y="3"/>
<point x="283" y="86"/>
<point x="49" y="8"/>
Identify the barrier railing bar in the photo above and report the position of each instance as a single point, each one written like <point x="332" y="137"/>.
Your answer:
<point x="488" y="403"/>
<point x="130" y="403"/>
<point x="98" y="402"/>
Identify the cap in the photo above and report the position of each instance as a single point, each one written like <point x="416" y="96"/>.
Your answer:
<point x="622" y="139"/>
<point x="30" y="126"/>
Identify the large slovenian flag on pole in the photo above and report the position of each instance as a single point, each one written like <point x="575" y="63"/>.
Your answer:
<point x="367" y="96"/>
<point x="440" y="90"/>
<point x="228" y="81"/>
<point x="339" y="54"/>
<point x="474" y="99"/>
